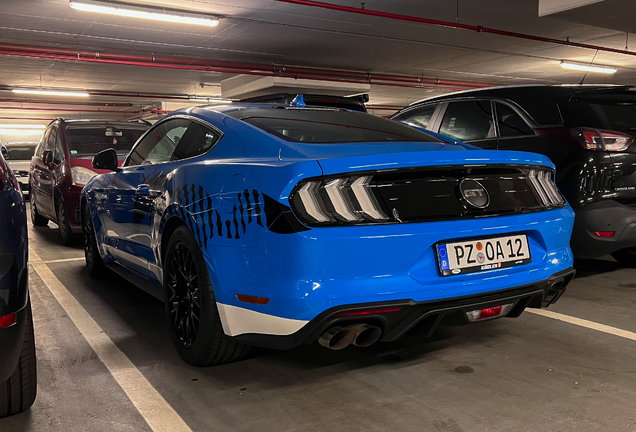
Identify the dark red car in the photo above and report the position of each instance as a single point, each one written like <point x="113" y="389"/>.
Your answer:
<point x="62" y="166"/>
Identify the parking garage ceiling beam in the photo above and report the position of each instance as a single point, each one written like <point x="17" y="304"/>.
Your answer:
<point x="456" y="25"/>
<point x="203" y="65"/>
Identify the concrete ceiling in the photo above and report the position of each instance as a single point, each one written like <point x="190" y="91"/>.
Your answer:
<point x="271" y="32"/>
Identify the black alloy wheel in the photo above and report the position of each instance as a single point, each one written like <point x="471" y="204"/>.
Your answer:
<point x="191" y="311"/>
<point x="91" y="253"/>
<point x="183" y="295"/>
<point x="36" y="218"/>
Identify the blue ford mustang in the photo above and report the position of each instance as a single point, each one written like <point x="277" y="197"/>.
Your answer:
<point x="277" y="225"/>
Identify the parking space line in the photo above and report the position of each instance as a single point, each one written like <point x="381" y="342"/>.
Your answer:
<point x="159" y="415"/>
<point x="64" y="260"/>
<point x="585" y="323"/>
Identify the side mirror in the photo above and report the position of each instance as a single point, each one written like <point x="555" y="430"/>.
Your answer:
<point x="5" y="152"/>
<point x="106" y="160"/>
<point x="47" y="157"/>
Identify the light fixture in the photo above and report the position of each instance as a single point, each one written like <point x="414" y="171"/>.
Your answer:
<point x="131" y="11"/>
<point x="588" y="68"/>
<point x="22" y="126"/>
<point x="209" y="100"/>
<point x="51" y="92"/>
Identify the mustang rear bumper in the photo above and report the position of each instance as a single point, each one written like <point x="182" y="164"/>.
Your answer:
<point x="426" y="314"/>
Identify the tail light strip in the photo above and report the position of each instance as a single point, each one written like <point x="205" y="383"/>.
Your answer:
<point x="352" y="199"/>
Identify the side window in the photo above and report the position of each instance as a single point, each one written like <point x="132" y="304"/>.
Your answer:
<point x="196" y="141"/>
<point x="510" y="123"/>
<point x="50" y="143"/>
<point x="43" y="142"/>
<point x="160" y="143"/>
<point x="418" y="117"/>
<point x="58" y="152"/>
<point x="468" y="120"/>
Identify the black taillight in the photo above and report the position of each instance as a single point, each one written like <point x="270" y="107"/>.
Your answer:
<point x="591" y="138"/>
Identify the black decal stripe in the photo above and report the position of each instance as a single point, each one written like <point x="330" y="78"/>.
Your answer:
<point x="280" y="218"/>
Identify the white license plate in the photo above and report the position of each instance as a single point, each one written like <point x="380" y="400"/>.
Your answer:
<point x="480" y="255"/>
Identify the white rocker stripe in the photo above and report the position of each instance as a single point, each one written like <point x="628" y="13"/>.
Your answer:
<point x="237" y="321"/>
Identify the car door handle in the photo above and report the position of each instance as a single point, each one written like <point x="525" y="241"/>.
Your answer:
<point x="143" y="190"/>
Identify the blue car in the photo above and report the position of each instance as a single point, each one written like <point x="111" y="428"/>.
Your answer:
<point x="274" y="225"/>
<point x="18" y="373"/>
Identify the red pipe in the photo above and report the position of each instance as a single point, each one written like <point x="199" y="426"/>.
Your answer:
<point x="228" y="67"/>
<point x="70" y="110"/>
<point x="476" y="28"/>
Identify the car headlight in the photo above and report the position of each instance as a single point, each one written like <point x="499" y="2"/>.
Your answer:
<point x="81" y="175"/>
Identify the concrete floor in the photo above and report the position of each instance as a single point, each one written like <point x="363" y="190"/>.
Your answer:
<point x="531" y="373"/>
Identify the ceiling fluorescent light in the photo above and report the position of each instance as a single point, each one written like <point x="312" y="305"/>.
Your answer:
<point x="209" y="100"/>
<point x="588" y="68"/>
<point x="51" y="92"/>
<point x="22" y="126"/>
<point x="130" y="11"/>
<point x="19" y="131"/>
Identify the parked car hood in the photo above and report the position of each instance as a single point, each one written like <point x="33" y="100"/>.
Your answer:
<point x="19" y="165"/>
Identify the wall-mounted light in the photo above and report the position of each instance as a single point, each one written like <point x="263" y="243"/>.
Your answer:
<point x="132" y="11"/>
<point x="51" y="92"/>
<point x="588" y="68"/>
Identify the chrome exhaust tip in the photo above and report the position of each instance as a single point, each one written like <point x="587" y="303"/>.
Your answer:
<point x="365" y="334"/>
<point x="337" y="338"/>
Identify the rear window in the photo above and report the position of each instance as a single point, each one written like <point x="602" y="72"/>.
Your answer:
<point x="606" y="110"/>
<point x="20" y="152"/>
<point x="87" y="140"/>
<point x="317" y="126"/>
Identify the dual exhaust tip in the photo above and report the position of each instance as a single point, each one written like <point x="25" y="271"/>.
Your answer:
<point x="361" y="335"/>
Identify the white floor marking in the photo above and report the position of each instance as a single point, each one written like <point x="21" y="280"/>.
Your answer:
<point x="585" y="323"/>
<point x="64" y="260"/>
<point x="159" y="415"/>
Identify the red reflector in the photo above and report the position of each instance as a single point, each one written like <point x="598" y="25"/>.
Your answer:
<point x="252" y="299"/>
<point x="604" y="233"/>
<point x="369" y="311"/>
<point x="7" y="320"/>
<point x="490" y="312"/>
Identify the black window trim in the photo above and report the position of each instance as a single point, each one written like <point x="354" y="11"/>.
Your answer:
<point x="436" y="120"/>
<point x="519" y="111"/>
<point x="162" y="121"/>
<point x="434" y="116"/>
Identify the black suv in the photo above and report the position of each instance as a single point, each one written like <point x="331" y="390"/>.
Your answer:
<point x="587" y="132"/>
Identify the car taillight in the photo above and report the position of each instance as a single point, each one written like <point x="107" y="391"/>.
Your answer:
<point x="545" y="188"/>
<point x="8" y="320"/>
<point x="337" y="200"/>
<point x="488" y="313"/>
<point x="7" y="180"/>
<point x="602" y="140"/>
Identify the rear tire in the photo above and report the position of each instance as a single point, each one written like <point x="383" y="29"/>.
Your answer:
<point x="36" y="218"/>
<point x="91" y="252"/>
<point x="626" y="257"/>
<point x="193" y="318"/>
<point x="68" y="237"/>
<point x="18" y="393"/>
